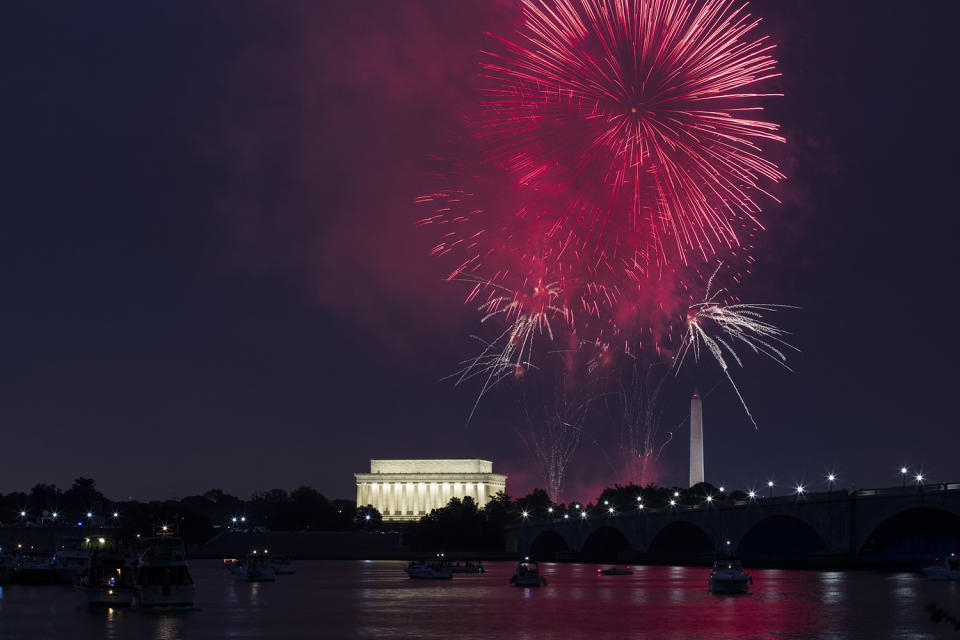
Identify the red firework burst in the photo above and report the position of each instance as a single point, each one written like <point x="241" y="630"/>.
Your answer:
<point x="630" y="119"/>
<point x="618" y="164"/>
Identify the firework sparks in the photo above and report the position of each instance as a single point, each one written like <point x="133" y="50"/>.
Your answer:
<point x="734" y="323"/>
<point x="632" y="121"/>
<point x="641" y="413"/>
<point x="511" y="352"/>
<point x="619" y="146"/>
<point x="554" y="437"/>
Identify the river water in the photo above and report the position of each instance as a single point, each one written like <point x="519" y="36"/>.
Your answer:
<point x="375" y="599"/>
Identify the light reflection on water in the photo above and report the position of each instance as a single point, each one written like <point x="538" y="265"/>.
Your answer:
<point x="376" y="600"/>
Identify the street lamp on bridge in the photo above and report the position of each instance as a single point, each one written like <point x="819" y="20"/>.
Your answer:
<point x="770" y="487"/>
<point x="830" y="479"/>
<point x="903" y="476"/>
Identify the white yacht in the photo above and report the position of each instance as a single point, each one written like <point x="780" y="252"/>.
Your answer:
<point x="282" y="565"/>
<point x="946" y="569"/>
<point x="527" y="574"/>
<point x="8" y="562"/>
<point x="109" y="579"/>
<point x="430" y="570"/>
<point x="728" y="576"/>
<point x="163" y="579"/>
<point x="71" y="559"/>
<point x="257" y="568"/>
<point x="34" y="568"/>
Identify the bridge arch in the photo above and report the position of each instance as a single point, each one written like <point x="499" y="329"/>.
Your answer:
<point x="911" y="535"/>
<point x="680" y="540"/>
<point x="780" y="539"/>
<point x="547" y="545"/>
<point x="605" y="542"/>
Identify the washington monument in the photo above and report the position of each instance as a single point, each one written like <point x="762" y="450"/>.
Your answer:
<point x="696" y="439"/>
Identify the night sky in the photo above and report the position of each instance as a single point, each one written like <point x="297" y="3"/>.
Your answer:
<point x="211" y="274"/>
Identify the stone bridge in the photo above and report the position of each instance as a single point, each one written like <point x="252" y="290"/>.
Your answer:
<point x="869" y="526"/>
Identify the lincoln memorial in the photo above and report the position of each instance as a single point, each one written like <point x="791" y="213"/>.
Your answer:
<point x="410" y="489"/>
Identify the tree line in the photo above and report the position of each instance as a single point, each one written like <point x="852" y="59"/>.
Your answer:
<point x="196" y="518"/>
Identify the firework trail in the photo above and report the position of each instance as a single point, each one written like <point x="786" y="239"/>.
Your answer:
<point x="553" y="435"/>
<point x="733" y="323"/>
<point x="641" y="413"/>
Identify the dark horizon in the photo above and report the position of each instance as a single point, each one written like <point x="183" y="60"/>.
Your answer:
<point x="213" y="277"/>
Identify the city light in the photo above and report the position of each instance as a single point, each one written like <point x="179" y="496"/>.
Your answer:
<point x="549" y="509"/>
<point x="54" y="514"/>
<point x="566" y="516"/>
<point x="610" y="510"/>
<point x="799" y="489"/>
<point x="524" y="514"/>
<point x="676" y="494"/>
<point x="919" y="478"/>
<point x="23" y="514"/>
<point x="903" y="476"/>
<point x="752" y="494"/>
<point x="116" y="514"/>
<point x="721" y="490"/>
<point x="89" y="514"/>
<point x="673" y="503"/>
<point x="709" y="498"/>
<point x="583" y="514"/>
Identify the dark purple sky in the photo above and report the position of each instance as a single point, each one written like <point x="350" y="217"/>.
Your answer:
<point x="211" y="276"/>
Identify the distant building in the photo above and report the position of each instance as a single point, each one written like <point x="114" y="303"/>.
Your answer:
<point x="409" y="489"/>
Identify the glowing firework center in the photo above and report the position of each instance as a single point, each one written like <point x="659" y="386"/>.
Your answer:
<point x="410" y="489"/>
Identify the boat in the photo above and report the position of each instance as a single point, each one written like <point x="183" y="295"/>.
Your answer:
<point x="430" y="570"/>
<point x="468" y="567"/>
<point x="163" y="578"/>
<point x="257" y="568"/>
<point x="8" y="563"/>
<point x="109" y="579"/>
<point x="233" y="565"/>
<point x="527" y="574"/>
<point x="34" y="568"/>
<point x="615" y="571"/>
<point x="946" y="569"/>
<point x="728" y="576"/>
<point x="71" y="559"/>
<point x="282" y="565"/>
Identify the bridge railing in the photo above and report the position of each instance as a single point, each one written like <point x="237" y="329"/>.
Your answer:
<point x="818" y="497"/>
